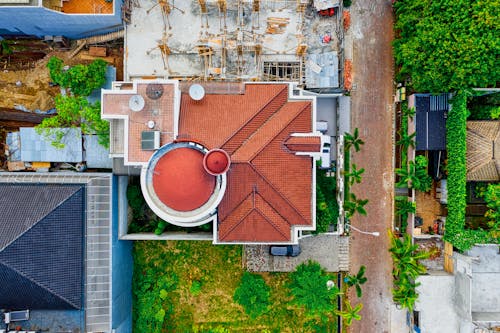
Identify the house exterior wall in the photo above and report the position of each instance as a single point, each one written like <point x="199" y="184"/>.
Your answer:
<point x="435" y="304"/>
<point x="485" y="279"/>
<point x="122" y="269"/>
<point x="40" y="21"/>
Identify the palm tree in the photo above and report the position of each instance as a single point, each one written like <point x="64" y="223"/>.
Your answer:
<point x="405" y="293"/>
<point x="406" y="140"/>
<point x="408" y="176"/>
<point x="354" y="175"/>
<point x="357" y="280"/>
<point x="410" y="113"/>
<point x="406" y="257"/>
<point x="350" y="313"/>
<point x="355" y="205"/>
<point x="353" y="140"/>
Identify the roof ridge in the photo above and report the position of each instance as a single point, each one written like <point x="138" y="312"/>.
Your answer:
<point x="41" y="218"/>
<point x="238" y="205"/>
<point x="268" y="121"/>
<point x="277" y="191"/>
<point x="38" y="283"/>
<point x="245" y="124"/>
<point x="238" y="223"/>
<point x="261" y="213"/>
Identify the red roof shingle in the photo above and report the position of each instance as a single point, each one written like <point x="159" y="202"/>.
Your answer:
<point x="269" y="188"/>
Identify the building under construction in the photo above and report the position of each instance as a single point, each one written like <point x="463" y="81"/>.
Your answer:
<point x="235" y="40"/>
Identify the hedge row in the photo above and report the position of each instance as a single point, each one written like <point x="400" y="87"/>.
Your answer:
<point x="456" y="136"/>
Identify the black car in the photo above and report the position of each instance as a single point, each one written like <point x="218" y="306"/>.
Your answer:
<point x="285" y="250"/>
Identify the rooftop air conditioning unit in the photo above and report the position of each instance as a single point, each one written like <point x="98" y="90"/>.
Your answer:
<point x="16" y="316"/>
<point x="150" y="140"/>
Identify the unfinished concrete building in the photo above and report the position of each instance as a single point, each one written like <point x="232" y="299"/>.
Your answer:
<point x="237" y="40"/>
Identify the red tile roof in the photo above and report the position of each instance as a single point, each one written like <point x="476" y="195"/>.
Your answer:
<point x="269" y="188"/>
<point x="180" y="181"/>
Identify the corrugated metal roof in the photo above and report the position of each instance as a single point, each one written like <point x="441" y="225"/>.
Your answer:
<point x="430" y="117"/>
<point x="327" y="74"/>
<point x="37" y="148"/>
<point x="96" y="155"/>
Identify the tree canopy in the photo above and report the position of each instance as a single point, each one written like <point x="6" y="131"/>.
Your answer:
<point x="446" y="45"/>
<point x="308" y="285"/>
<point x="253" y="294"/>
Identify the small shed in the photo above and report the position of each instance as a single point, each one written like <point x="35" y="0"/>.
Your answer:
<point x="431" y="112"/>
<point x="38" y="148"/>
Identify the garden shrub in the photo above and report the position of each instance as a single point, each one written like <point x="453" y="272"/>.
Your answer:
<point x="151" y="288"/>
<point x="327" y="208"/>
<point x="456" y="136"/>
<point x="253" y="295"/>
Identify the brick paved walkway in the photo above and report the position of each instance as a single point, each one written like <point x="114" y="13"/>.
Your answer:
<point x="372" y="113"/>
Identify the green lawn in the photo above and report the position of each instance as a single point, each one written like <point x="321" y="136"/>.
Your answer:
<point x="188" y="286"/>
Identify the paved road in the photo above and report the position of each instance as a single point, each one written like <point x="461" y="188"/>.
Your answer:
<point x="372" y="98"/>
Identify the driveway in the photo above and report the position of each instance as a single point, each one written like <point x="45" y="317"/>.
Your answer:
<point x="331" y="251"/>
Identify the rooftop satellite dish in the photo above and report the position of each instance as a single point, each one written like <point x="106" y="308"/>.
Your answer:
<point x="136" y="103"/>
<point x="196" y="92"/>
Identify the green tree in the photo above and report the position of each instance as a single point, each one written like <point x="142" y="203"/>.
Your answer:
<point x="74" y="112"/>
<point x="253" y="294"/>
<point x="354" y="174"/>
<point x="354" y="205"/>
<point x="415" y="175"/>
<point x="353" y="140"/>
<point x="350" y="313"/>
<point x="406" y="140"/>
<point x="492" y="198"/>
<point x="406" y="268"/>
<point x="447" y="45"/>
<point x="404" y="207"/>
<point x="308" y="286"/>
<point x="357" y="280"/>
<point x="81" y="79"/>
<point x="405" y="293"/>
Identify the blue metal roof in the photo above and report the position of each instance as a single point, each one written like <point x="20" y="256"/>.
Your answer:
<point x="430" y="117"/>
<point x="38" y="148"/>
<point x="41" y="260"/>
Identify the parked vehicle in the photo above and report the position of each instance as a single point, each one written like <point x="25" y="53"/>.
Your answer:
<point x="285" y="250"/>
<point x="325" y="152"/>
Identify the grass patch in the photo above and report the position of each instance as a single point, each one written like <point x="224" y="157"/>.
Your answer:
<point x="201" y="300"/>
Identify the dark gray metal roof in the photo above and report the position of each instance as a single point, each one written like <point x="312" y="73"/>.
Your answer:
<point x="431" y="112"/>
<point x="41" y="252"/>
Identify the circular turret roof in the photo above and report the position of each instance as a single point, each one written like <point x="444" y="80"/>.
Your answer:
<point x="180" y="180"/>
<point x="216" y="162"/>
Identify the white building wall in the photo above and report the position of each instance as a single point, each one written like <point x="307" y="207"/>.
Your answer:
<point x="435" y="303"/>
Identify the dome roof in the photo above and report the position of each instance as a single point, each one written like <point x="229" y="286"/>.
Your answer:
<point x="216" y="162"/>
<point x="180" y="180"/>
